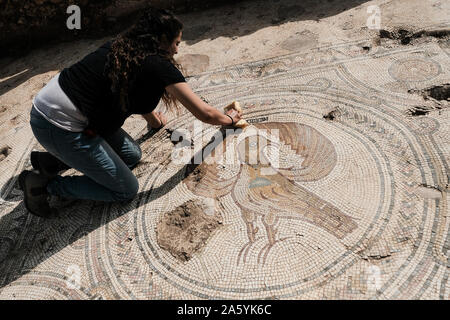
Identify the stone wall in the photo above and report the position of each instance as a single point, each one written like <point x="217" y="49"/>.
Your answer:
<point x="28" y="24"/>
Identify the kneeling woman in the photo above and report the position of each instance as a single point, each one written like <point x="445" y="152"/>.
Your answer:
<point x="77" y="117"/>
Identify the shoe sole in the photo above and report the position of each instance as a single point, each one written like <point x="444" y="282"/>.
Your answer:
<point x="22" y="178"/>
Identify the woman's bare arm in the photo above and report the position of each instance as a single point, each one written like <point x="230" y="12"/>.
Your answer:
<point x="200" y="109"/>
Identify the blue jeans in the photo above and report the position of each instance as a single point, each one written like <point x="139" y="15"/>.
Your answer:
<point x="106" y="162"/>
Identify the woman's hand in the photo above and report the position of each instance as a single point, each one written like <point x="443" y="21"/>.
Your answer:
<point x="162" y="119"/>
<point x="234" y="114"/>
<point x="155" y="120"/>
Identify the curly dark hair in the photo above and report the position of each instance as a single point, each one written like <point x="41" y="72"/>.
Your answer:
<point x="129" y="50"/>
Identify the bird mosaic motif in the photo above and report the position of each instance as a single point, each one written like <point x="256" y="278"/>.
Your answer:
<point x="264" y="172"/>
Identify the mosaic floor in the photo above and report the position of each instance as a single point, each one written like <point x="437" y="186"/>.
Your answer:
<point x="356" y="209"/>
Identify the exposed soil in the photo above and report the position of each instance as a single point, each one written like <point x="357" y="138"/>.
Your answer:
<point x="406" y="36"/>
<point x="438" y="98"/>
<point x="185" y="230"/>
<point x="4" y="152"/>
<point x="441" y="92"/>
<point x="330" y="115"/>
<point x="419" y="111"/>
<point x="29" y="24"/>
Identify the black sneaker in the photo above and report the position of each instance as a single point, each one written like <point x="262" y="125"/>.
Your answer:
<point x="47" y="165"/>
<point x="35" y="194"/>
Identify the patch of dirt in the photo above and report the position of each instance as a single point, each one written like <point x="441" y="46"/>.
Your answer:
<point x="437" y="98"/>
<point x="331" y="115"/>
<point x="440" y="92"/>
<point x="4" y="152"/>
<point x="288" y="13"/>
<point x="402" y="35"/>
<point x="185" y="230"/>
<point x="405" y="36"/>
<point x="300" y="41"/>
<point x="419" y="111"/>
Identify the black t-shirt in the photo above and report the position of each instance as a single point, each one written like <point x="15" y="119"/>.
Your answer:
<point x="89" y="89"/>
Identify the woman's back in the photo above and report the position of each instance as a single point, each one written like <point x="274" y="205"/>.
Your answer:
<point x="85" y="83"/>
<point x="89" y="88"/>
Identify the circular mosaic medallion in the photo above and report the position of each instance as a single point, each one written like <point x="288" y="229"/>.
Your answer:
<point x="279" y="220"/>
<point x="414" y="70"/>
<point x="426" y="125"/>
